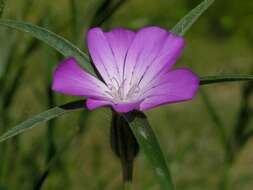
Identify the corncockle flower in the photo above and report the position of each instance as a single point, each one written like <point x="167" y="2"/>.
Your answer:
<point x="136" y="69"/>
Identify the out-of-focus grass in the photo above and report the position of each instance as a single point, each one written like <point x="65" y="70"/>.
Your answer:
<point x="186" y="132"/>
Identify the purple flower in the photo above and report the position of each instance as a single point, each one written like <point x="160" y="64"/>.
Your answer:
<point x="136" y="69"/>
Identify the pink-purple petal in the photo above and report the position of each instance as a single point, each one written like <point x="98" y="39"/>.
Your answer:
<point x="70" y="79"/>
<point x="96" y="103"/>
<point x="175" y="86"/>
<point x="142" y="52"/>
<point x="120" y="40"/>
<point x="126" y="107"/>
<point x="118" y="107"/>
<point x="169" y="54"/>
<point x="102" y="55"/>
<point x="152" y="51"/>
<point x="108" y="51"/>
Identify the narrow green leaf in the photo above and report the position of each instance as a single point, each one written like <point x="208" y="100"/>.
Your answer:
<point x="149" y="144"/>
<point x="57" y="42"/>
<point x="42" y="117"/>
<point x="187" y="21"/>
<point x="224" y="78"/>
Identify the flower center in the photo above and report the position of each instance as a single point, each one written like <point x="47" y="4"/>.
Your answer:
<point x="121" y="93"/>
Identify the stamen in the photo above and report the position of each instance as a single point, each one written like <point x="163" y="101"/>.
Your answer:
<point x="114" y="79"/>
<point x="119" y="92"/>
<point x="135" y="89"/>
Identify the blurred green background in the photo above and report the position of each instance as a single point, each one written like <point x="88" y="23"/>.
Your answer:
<point x="73" y="152"/>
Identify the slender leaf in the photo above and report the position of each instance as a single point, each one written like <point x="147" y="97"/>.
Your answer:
<point x="187" y="21"/>
<point x="42" y="117"/>
<point x="57" y="42"/>
<point x="224" y="78"/>
<point x="149" y="144"/>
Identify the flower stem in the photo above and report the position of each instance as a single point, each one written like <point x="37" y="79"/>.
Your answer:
<point x="127" y="185"/>
<point x="127" y="170"/>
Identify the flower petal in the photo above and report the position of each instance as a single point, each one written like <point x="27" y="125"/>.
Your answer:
<point x="174" y="86"/>
<point x="95" y="103"/>
<point x="120" y="40"/>
<point x="126" y="107"/>
<point x="69" y="78"/>
<point x="121" y="107"/>
<point x="152" y="50"/>
<point x="108" y="51"/>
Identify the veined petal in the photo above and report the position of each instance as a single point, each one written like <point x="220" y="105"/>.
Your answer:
<point x="152" y="50"/>
<point x="70" y="79"/>
<point x="108" y="51"/>
<point x="174" y="86"/>
<point x="142" y="52"/>
<point x="171" y="51"/>
<point x="120" y="40"/>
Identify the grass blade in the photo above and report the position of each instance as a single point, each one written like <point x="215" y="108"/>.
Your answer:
<point x="187" y="21"/>
<point x="59" y="43"/>
<point x="42" y="117"/>
<point x="149" y="144"/>
<point x="224" y="78"/>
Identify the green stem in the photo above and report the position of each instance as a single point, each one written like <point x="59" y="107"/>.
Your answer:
<point x="224" y="183"/>
<point x="127" y="185"/>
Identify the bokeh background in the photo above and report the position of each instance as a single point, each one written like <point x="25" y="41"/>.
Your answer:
<point x="73" y="152"/>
